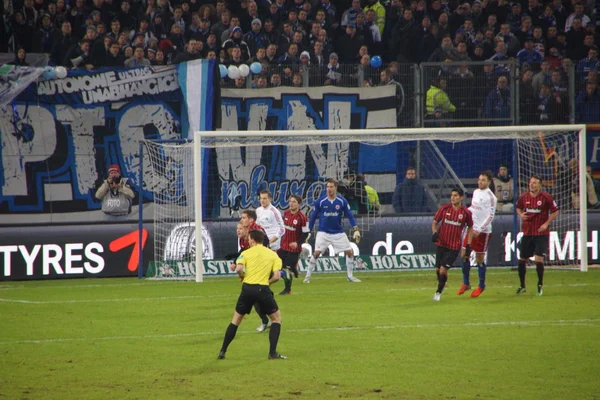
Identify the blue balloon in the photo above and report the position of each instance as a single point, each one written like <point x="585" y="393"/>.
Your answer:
<point x="49" y="73"/>
<point x="376" y="62"/>
<point x="256" y="67"/>
<point x="222" y="70"/>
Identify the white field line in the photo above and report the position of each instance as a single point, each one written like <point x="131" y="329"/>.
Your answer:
<point x="235" y="294"/>
<point x="558" y="323"/>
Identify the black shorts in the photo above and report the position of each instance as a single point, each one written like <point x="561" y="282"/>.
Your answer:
<point x="533" y="245"/>
<point x="445" y="257"/>
<point x="259" y="294"/>
<point x="289" y="259"/>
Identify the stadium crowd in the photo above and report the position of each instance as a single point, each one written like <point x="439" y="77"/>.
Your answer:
<point x="331" y="42"/>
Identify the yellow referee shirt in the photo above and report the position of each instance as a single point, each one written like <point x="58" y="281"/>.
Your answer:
<point x="259" y="262"/>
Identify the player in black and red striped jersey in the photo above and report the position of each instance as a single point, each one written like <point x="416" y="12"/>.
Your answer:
<point x="537" y="210"/>
<point x="448" y="225"/>
<point x="296" y="233"/>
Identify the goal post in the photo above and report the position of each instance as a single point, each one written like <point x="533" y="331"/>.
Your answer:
<point x="299" y="162"/>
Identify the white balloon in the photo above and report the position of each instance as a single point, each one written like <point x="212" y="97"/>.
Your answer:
<point x="61" y="72"/>
<point x="233" y="72"/>
<point x="244" y="70"/>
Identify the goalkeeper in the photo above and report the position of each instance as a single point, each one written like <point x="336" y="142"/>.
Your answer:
<point x="330" y="210"/>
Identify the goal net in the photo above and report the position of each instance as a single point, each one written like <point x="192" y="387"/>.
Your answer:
<point x="205" y="184"/>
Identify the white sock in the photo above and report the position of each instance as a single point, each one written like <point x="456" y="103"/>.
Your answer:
<point x="312" y="262"/>
<point x="349" y="266"/>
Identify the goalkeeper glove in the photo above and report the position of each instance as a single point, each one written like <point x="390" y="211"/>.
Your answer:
<point x="356" y="235"/>
<point x="468" y="252"/>
<point x="435" y="237"/>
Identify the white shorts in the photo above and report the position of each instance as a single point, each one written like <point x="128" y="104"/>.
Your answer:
<point x="339" y="241"/>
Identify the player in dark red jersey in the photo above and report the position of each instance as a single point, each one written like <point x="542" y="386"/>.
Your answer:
<point x="447" y="227"/>
<point x="537" y="210"/>
<point x="296" y="232"/>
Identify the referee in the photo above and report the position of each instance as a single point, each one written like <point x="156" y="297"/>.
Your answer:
<point x="259" y="262"/>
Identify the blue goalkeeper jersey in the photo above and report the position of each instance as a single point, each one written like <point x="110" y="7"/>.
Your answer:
<point x="330" y="213"/>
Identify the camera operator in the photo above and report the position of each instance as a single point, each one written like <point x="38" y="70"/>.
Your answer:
<point x="115" y="193"/>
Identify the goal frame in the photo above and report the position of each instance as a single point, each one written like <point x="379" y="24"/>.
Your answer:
<point x="481" y="133"/>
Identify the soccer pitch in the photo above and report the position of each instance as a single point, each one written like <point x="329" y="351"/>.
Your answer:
<point x="383" y="338"/>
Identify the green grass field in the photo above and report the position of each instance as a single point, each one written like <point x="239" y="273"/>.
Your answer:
<point x="381" y="339"/>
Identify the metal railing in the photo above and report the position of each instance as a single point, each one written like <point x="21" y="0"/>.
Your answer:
<point x="469" y="95"/>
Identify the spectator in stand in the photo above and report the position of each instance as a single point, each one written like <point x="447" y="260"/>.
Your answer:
<point x="405" y="36"/>
<point x="534" y="10"/>
<point x="247" y="18"/>
<point x="190" y="53"/>
<point x="138" y="58"/>
<point x="350" y="14"/>
<point x="20" y="58"/>
<point x="443" y="24"/>
<point x="581" y="50"/>
<point x="547" y="19"/>
<point x="275" y="80"/>
<point x="62" y="44"/>
<point x="271" y="54"/>
<point x="380" y="14"/>
<point x="333" y="72"/>
<point x="298" y="40"/>
<point x="462" y="93"/>
<point x="223" y="25"/>
<point x="578" y="13"/>
<point x="541" y="77"/>
<point x="386" y="78"/>
<point x="349" y="44"/>
<point x="317" y="57"/>
<point x="202" y="32"/>
<point x="115" y="58"/>
<point x="576" y="34"/>
<point x="240" y="83"/>
<point x="437" y="103"/>
<point x="234" y="23"/>
<point x="492" y="23"/>
<point x="429" y="41"/>
<point x="445" y="50"/>
<point x="560" y="12"/>
<point x="236" y="41"/>
<point x="587" y="105"/>
<point x="235" y="58"/>
<point x="497" y="104"/>
<point x="410" y="196"/>
<point x="100" y="51"/>
<point x="525" y="30"/>
<point x="529" y="54"/>
<point x="548" y="111"/>
<point x="514" y="18"/>
<point x="127" y="20"/>
<point x="255" y="39"/>
<point x="527" y="99"/>
<point x="291" y="58"/>
<point x="468" y="30"/>
<point x="43" y="36"/>
<point x="590" y="63"/>
<point x="539" y="43"/>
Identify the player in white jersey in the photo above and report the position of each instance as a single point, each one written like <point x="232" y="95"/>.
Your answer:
<point x="483" y="209"/>
<point x="270" y="219"/>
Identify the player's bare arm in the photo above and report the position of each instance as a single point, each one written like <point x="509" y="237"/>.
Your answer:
<point x="522" y="215"/>
<point x="276" y="276"/>
<point x="546" y="224"/>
